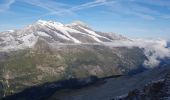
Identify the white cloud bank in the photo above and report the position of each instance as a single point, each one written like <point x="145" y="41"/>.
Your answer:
<point x="154" y="50"/>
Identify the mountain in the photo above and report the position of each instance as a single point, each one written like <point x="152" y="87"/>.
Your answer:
<point x="48" y="51"/>
<point x="54" y="32"/>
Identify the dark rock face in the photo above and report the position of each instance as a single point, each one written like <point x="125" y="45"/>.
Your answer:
<point x="168" y="44"/>
<point x="1" y="90"/>
<point x="154" y="91"/>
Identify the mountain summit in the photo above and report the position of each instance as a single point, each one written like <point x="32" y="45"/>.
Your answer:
<point x="54" y="32"/>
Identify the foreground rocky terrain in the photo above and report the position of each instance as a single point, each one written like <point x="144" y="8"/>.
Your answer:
<point x="48" y="56"/>
<point x="158" y="90"/>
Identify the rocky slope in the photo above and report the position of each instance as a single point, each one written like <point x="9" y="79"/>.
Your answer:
<point x="157" y="90"/>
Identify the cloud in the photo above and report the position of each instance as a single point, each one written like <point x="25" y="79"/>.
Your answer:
<point x="142" y="15"/>
<point x="49" y="5"/>
<point x="139" y="8"/>
<point x="154" y="50"/>
<point x="83" y="6"/>
<point x="92" y="4"/>
<point x="132" y="8"/>
<point x="6" y="5"/>
<point x="146" y="9"/>
<point x="56" y="8"/>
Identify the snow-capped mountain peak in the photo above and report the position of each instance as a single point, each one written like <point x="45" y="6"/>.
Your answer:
<point x="43" y="22"/>
<point x="54" y="32"/>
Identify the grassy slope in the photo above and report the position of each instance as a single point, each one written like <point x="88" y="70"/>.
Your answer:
<point x="42" y="64"/>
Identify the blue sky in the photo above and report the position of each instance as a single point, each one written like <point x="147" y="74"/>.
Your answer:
<point x="132" y="18"/>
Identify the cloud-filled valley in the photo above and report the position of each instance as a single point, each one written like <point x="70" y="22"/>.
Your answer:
<point x="154" y="49"/>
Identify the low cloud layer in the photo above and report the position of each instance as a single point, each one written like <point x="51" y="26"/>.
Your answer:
<point x="154" y="50"/>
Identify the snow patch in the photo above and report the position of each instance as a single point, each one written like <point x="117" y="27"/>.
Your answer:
<point x="94" y="35"/>
<point x="43" y="34"/>
<point x="11" y="31"/>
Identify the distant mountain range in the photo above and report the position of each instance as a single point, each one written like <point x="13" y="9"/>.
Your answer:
<point x="48" y="51"/>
